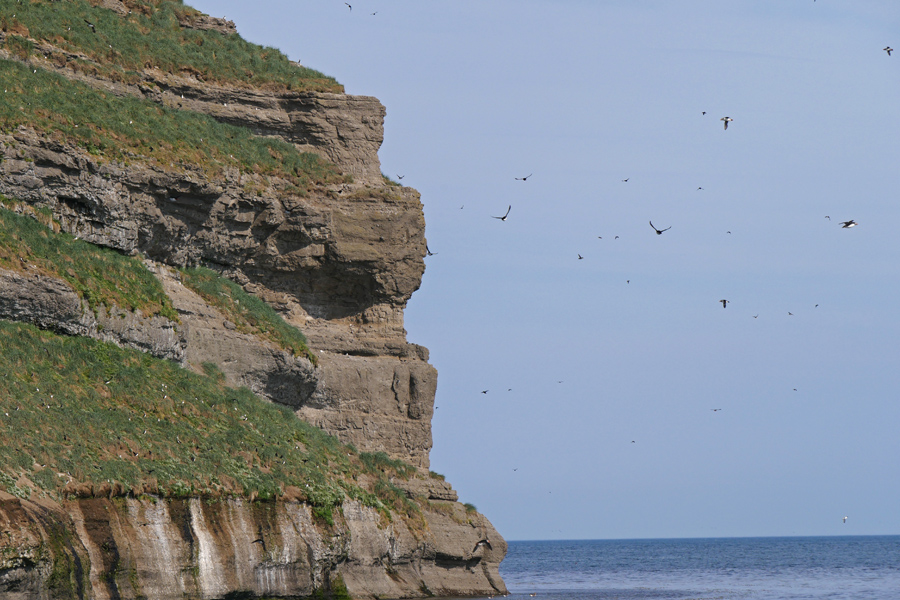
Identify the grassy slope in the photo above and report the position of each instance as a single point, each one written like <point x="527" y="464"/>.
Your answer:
<point x="150" y="37"/>
<point x="74" y="409"/>
<point x="247" y="312"/>
<point x="125" y="129"/>
<point x="99" y="275"/>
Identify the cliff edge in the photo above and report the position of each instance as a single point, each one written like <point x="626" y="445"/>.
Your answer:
<point x="268" y="177"/>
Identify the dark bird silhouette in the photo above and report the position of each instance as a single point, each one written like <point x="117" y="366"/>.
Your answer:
<point x="888" y="49"/>
<point x="484" y="391"/>
<point x="350" y="7"/>
<point x="428" y="252"/>
<point x="790" y="314"/>
<point x="848" y="224"/>
<point x="827" y="217"/>
<point x="626" y="180"/>
<point x="580" y="257"/>
<point x="703" y="113"/>
<point x="724" y="302"/>
<point x="524" y="178"/>
<point x="755" y="316"/>
<point x="659" y="231"/>
<point x="727" y="121"/>
<point x="503" y="218"/>
<point x="715" y="409"/>
<point x="400" y="176"/>
<point x="91" y="25"/>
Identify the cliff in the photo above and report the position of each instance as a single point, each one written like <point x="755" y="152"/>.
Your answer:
<point x="308" y="225"/>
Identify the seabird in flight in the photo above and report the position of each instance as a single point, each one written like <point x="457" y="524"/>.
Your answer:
<point x="848" y="224"/>
<point x="524" y="178"/>
<point x="724" y="302"/>
<point x="888" y="49"/>
<point x="427" y="251"/>
<point x="727" y="120"/>
<point x="659" y="231"/>
<point x="845" y="519"/>
<point x="503" y="218"/>
<point x="580" y="257"/>
<point x="350" y="7"/>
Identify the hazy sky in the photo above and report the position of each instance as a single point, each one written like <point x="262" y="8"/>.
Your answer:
<point x="608" y="430"/>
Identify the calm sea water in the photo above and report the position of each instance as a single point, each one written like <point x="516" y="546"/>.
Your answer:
<point x="813" y="568"/>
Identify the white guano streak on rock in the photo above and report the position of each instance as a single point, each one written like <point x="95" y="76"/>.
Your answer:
<point x="239" y="531"/>
<point x="209" y="562"/>
<point x="155" y="535"/>
<point x="100" y="592"/>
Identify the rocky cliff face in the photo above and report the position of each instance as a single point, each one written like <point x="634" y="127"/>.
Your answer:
<point x="131" y="548"/>
<point x="339" y="263"/>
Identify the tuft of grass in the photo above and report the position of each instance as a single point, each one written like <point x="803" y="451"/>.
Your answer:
<point x="470" y="508"/>
<point x="249" y="313"/>
<point x="156" y="34"/>
<point x="117" y="128"/>
<point x="75" y="410"/>
<point x="101" y="276"/>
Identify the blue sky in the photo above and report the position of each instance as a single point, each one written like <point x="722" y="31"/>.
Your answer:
<point x="584" y="95"/>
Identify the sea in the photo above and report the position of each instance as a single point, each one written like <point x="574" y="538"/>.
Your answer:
<point x="782" y="568"/>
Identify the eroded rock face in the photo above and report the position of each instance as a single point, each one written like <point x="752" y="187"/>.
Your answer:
<point x="339" y="266"/>
<point x="107" y="549"/>
<point x="339" y="263"/>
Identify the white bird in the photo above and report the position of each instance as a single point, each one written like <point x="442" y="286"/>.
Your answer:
<point x="727" y="120"/>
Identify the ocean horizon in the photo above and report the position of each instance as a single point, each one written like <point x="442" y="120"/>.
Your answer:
<point x="739" y="568"/>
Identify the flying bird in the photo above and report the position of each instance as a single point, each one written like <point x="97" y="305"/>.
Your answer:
<point x="724" y="302"/>
<point x="400" y="176"/>
<point x="888" y="49"/>
<point x="524" y="178"/>
<point x="427" y="251"/>
<point x="703" y="113"/>
<point x="580" y="257"/>
<point x="715" y="409"/>
<point x="827" y="217"/>
<point x="484" y="391"/>
<point x="727" y="121"/>
<point x="755" y="316"/>
<point x="91" y="25"/>
<point x="350" y="7"/>
<point x="503" y="218"/>
<point x="848" y="224"/>
<point x="626" y="180"/>
<point x="659" y="231"/>
<point x="845" y="519"/>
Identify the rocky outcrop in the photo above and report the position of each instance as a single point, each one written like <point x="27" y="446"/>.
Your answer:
<point x="339" y="265"/>
<point x="176" y="549"/>
<point x="339" y="262"/>
<point x="49" y="303"/>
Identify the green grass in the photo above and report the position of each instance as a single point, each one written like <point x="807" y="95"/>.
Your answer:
<point x="150" y="37"/>
<point x="247" y="312"/>
<point x="103" y="277"/>
<point x="124" y="128"/>
<point x="79" y="410"/>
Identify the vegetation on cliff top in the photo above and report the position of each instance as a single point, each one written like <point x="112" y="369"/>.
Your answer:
<point x="122" y="128"/>
<point x="154" y="34"/>
<point x="105" y="420"/>
<point x="103" y="277"/>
